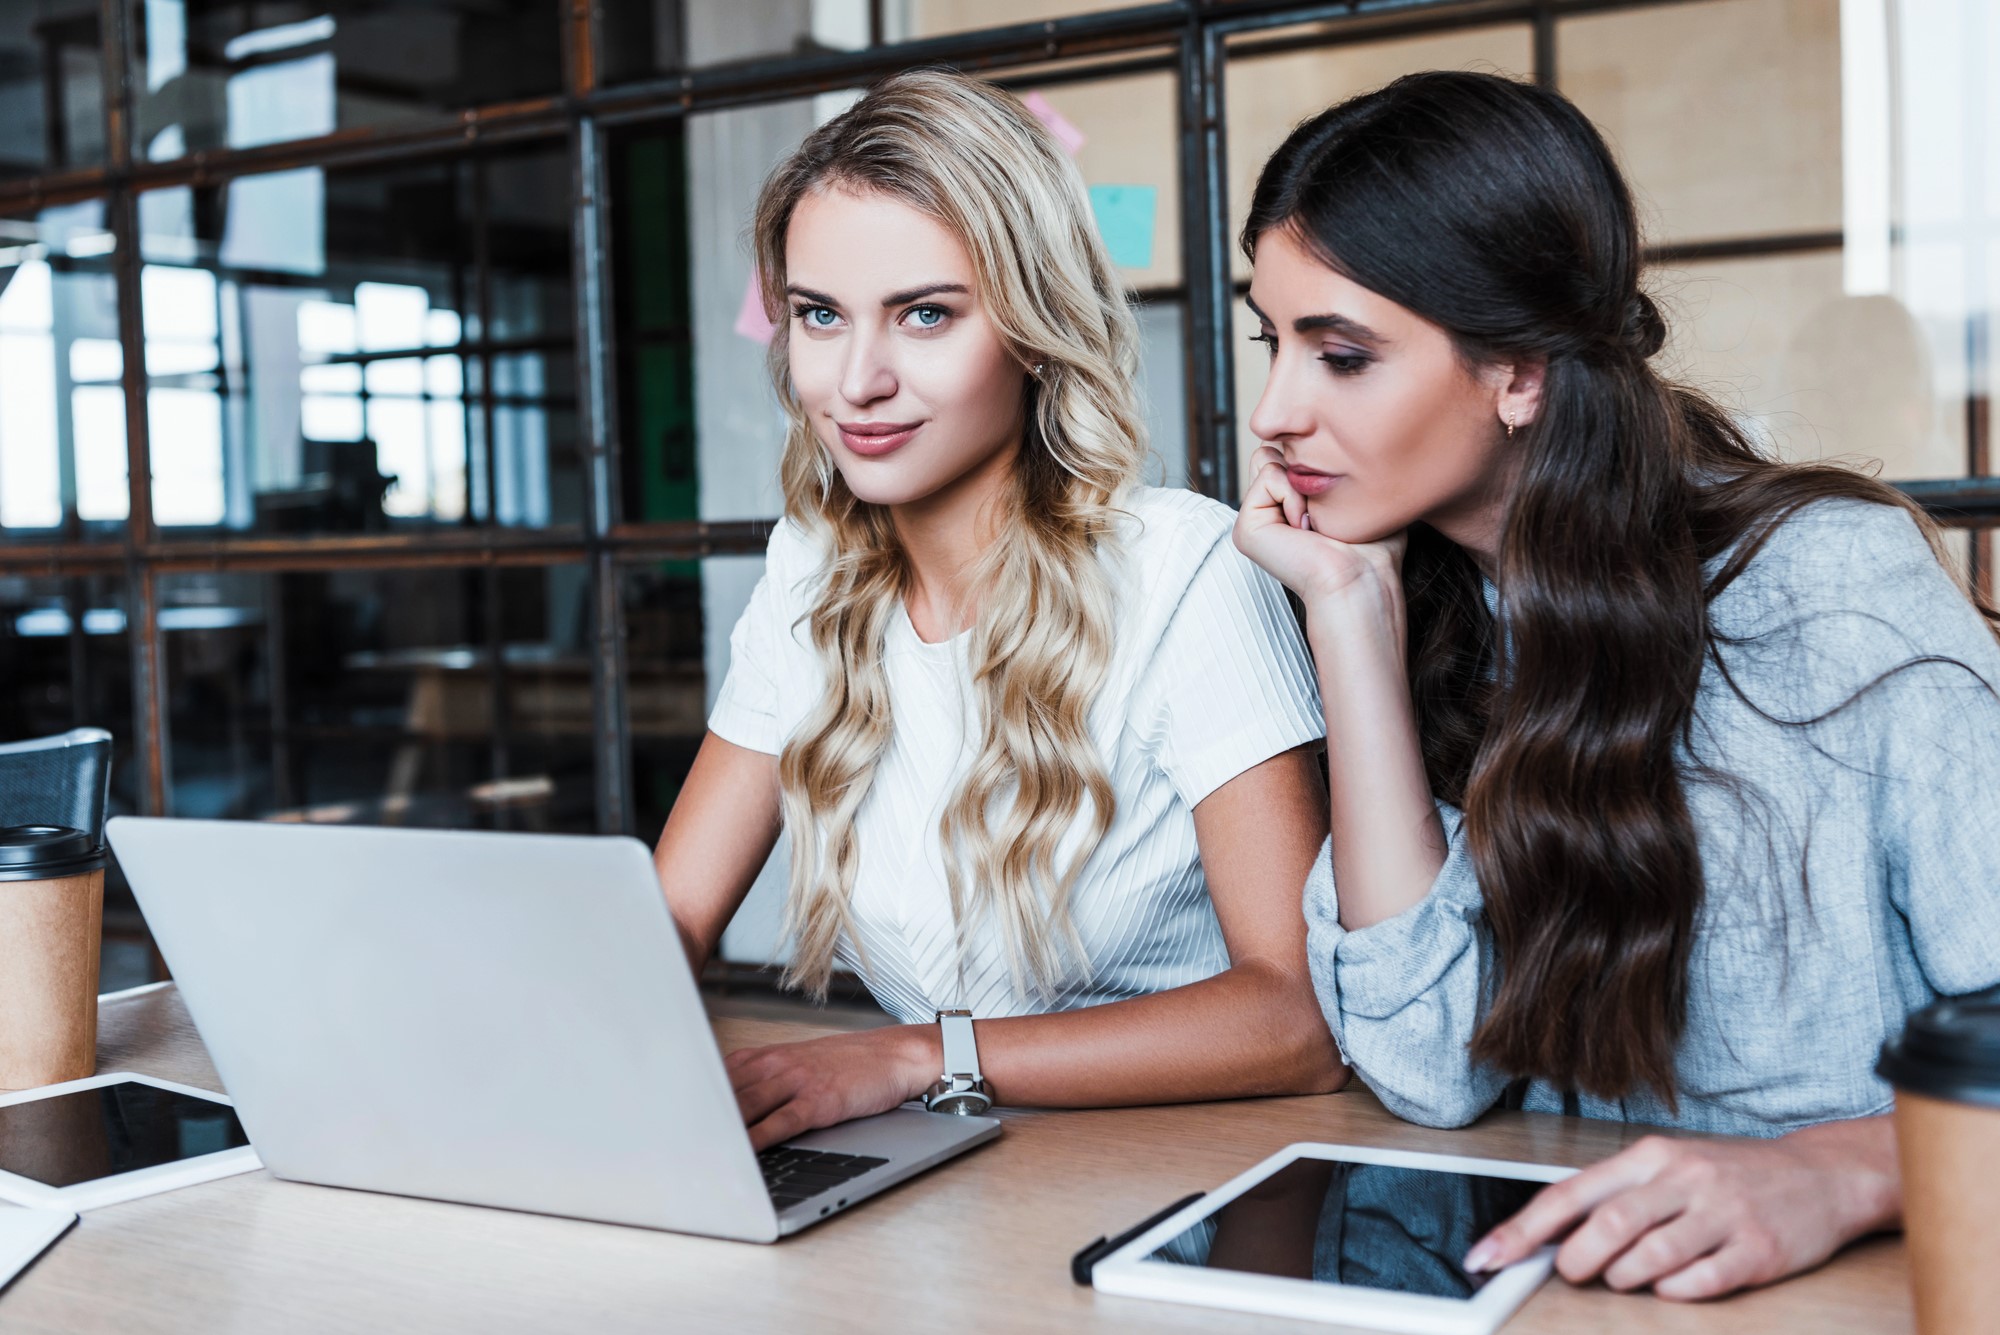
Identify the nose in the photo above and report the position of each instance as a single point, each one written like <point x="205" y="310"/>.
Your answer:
<point x="1283" y="412"/>
<point x="868" y="375"/>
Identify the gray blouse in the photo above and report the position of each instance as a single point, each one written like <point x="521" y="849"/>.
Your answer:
<point x="1852" y="873"/>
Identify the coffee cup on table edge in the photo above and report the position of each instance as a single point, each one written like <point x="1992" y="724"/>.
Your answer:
<point x="51" y="921"/>
<point x="1946" y="1070"/>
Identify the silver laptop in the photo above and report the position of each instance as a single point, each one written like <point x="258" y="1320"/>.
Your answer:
<point x="499" y="1019"/>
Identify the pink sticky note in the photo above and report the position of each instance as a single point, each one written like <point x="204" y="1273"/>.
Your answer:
<point x="1059" y="125"/>
<point x="750" y="320"/>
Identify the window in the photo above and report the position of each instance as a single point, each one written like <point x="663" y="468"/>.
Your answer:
<point x="363" y="351"/>
<point x="453" y="697"/>
<point x="645" y="38"/>
<point x="1804" y="168"/>
<point x="52" y="87"/>
<point x="62" y="415"/>
<point x="213" y="74"/>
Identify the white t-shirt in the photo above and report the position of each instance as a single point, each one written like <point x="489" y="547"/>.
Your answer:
<point x="1209" y="677"/>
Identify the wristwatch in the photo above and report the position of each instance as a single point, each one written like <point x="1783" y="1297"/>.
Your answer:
<point x="961" y="1089"/>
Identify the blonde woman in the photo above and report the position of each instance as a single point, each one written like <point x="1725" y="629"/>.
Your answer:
<point x="1040" y="736"/>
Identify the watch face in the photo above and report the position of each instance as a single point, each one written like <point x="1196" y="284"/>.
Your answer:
<point x="964" y="1105"/>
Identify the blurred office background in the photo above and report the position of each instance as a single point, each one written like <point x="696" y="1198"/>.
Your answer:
<point x="384" y="436"/>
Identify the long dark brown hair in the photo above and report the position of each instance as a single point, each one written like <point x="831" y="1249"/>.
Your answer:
<point x="1494" y="210"/>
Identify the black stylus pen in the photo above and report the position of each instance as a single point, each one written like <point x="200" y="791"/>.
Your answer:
<point x="1086" y="1260"/>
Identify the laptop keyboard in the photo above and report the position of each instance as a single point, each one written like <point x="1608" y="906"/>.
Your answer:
<point x="793" y="1175"/>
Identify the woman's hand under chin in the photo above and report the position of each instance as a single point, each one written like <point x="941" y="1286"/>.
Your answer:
<point x="1274" y="529"/>
<point x="787" y="1089"/>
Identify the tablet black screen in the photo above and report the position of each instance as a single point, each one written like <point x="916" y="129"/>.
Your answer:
<point x="93" y="1133"/>
<point x="1368" y="1225"/>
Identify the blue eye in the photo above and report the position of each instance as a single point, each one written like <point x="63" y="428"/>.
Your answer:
<point x="811" y="315"/>
<point x="928" y="317"/>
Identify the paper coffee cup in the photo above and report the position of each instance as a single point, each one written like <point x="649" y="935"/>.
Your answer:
<point x="51" y="921"/>
<point x="1946" y="1070"/>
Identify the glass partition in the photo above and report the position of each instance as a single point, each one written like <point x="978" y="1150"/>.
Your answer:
<point x="1726" y="114"/>
<point x="1824" y="375"/>
<point x="678" y="616"/>
<point x="66" y="656"/>
<point x="62" y="410"/>
<point x="217" y="74"/>
<point x="363" y="351"/>
<point x="646" y="38"/>
<point x="65" y="653"/>
<point x="443" y="697"/>
<point x="938" y="18"/>
<point x="51" y="87"/>
<point x="1804" y="167"/>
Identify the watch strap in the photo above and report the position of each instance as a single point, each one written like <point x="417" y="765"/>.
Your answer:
<point x="961" y="1052"/>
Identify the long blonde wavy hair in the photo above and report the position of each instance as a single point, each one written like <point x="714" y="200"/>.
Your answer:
<point x="971" y="157"/>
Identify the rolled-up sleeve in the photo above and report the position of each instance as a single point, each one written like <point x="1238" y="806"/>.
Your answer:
<point x="1402" y="997"/>
<point x="1935" y="722"/>
<point x="1871" y="642"/>
<point x="1943" y="822"/>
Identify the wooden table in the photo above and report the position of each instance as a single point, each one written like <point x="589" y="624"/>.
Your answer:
<point x="987" y="1238"/>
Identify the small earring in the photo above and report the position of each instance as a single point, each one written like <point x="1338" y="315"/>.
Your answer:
<point x="1510" y="424"/>
<point x="1036" y="370"/>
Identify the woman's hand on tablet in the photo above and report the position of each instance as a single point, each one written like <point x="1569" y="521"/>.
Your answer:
<point x="1702" y="1218"/>
<point x="787" y="1089"/>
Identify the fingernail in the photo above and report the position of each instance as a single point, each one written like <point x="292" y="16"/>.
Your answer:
<point x="1306" y="523"/>
<point x="1480" y="1258"/>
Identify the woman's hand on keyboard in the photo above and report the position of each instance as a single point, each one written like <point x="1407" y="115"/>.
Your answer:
<point x="787" y="1089"/>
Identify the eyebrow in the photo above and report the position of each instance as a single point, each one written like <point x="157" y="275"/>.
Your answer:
<point x="919" y="293"/>
<point x="902" y="298"/>
<point x="1308" y="324"/>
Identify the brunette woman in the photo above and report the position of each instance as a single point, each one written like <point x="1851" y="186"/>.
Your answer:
<point x="1665" y="777"/>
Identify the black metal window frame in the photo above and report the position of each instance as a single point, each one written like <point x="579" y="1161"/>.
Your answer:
<point x="1193" y="38"/>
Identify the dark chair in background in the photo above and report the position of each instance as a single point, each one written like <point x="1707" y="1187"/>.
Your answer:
<point x="66" y="780"/>
<point x="63" y="780"/>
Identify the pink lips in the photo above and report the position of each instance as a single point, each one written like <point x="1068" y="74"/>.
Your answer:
<point x="872" y="440"/>
<point x="1308" y="481"/>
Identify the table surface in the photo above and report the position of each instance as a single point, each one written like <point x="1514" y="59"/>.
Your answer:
<point x="987" y="1237"/>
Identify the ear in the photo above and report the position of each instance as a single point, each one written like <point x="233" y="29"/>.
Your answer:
<point x="1520" y="390"/>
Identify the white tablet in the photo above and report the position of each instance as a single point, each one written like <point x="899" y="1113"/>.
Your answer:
<point x="111" y="1138"/>
<point x="1340" y="1233"/>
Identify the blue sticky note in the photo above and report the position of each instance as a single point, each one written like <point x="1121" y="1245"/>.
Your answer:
<point x="1125" y="221"/>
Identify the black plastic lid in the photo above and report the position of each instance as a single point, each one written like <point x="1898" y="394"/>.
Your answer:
<point x="1949" y="1050"/>
<point x="44" y="852"/>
